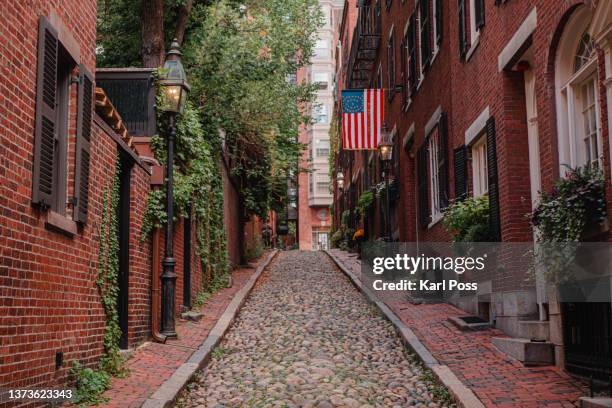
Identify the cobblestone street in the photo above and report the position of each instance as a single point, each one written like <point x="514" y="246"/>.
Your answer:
<point x="307" y="338"/>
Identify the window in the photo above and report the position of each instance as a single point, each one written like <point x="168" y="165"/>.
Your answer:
<point x="578" y="122"/>
<point x="413" y="79"/>
<point x="53" y="127"/>
<point x="322" y="148"/>
<point x="391" y="63"/>
<point x="321" y="79"/>
<point x="320" y="115"/>
<point x="437" y="24"/>
<point x="434" y="167"/>
<point x="321" y="184"/>
<point x="480" y="176"/>
<point x="424" y="35"/>
<point x="476" y="22"/>
<point x="321" y="49"/>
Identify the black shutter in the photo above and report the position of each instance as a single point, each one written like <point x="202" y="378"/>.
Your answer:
<point x="439" y="21"/>
<point x="443" y="161"/>
<point x="43" y="183"/>
<point x="413" y="54"/>
<point x="422" y="183"/>
<point x="479" y="7"/>
<point x="494" y="210"/>
<point x="425" y="34"/>
<point x="460" y="156"/>
<point x="462" y="28"/>
<point x="83" y="139"/>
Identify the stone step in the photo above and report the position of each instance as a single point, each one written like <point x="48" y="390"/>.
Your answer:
<point x="526" y="351"/>
<point x="534" y="330"/>
<point x="597" y="402"/>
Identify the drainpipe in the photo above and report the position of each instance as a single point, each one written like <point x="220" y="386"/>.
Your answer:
<point x="155" y="297"/>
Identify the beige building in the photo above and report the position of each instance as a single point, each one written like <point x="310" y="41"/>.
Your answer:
<point x="314" y="196"/>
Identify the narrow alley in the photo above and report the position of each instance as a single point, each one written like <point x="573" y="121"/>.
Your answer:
<point x="307" y="338"/>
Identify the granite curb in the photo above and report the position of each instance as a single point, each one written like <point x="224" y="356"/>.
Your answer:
<point x="462" y="394"/>
<point x="166" y="394"/>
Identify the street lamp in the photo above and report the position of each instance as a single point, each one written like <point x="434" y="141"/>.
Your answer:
<point x="174" y="90"/>
<point x="385" y="149"/>
<point x="340" y="180"/>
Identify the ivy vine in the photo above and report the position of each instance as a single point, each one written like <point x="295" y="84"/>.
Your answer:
<point x="198" y="193"/>
<point x="108" y="277"/>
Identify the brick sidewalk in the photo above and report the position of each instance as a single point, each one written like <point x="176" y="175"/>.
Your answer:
<point x="153" y="363"/>
<point x="497" y="379"/>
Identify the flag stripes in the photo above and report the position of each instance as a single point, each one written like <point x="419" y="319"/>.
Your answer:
<point x="362" y="118"/>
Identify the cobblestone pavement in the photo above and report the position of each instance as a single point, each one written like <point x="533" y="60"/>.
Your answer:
<point x="307" y="338"/>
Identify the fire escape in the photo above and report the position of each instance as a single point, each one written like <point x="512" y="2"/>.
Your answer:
<point x="365" y="43"/>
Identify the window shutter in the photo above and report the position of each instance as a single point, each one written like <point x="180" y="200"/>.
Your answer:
<point x="413" y="53"/>
<point x="460" y="159"/>
<point x="443" y="161"/>
<point x="462" y="31"/>
<point x="480" y="13"/>
<point x="439" y="21"/>
<point x="425" y="34"/>
<point x="84" y="117"/>
<point x="422" y="185"/>
<point x="43" y="183"/>
<point x="494" y="210"/>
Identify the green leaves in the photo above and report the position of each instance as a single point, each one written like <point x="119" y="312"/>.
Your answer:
<point x="468" y="219"/>
<point x="576" y="201"/>
<point x="239" y="63"/>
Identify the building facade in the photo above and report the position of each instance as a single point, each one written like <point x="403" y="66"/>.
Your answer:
<point x="314" y="196"/>
<point x="67" y="129"/>
<point x="485" y="98"/>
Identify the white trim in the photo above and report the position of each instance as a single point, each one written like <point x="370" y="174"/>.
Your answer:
<point x="433" y="120"/>
<point x="518" y="40"/>
<point x="477" y="127"/>
<point x="408" y="135"/>
<point x="435" y="219"/>
<point x="473" y="47"/>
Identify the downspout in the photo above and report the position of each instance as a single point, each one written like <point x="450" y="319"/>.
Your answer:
<point x="155" y="296"/>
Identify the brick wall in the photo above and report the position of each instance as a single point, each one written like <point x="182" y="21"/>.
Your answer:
<point x="48" y="296"/>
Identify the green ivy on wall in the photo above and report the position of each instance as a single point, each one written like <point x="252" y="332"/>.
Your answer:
<point x="90" y="383"/>
<point x="197" y="186"/>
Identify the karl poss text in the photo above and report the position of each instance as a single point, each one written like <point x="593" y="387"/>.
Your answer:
<point x="412" y="264"/>
<point x="424" y="285"/>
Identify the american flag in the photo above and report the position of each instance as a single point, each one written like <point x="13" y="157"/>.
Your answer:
<point x="362" y="118"/>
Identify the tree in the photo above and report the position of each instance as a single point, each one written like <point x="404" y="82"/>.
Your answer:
<point x="153" y="51"/>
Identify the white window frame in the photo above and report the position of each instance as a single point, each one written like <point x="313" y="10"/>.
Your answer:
<point x="433" y="145"/>
<point x="318" y="111"/>
<point x="480" y="173"/>
<point x="322" y="144"/>
<point x="434" y="31"/>
<point x="474" y="31"/>
<point x="418" y="46"/>
<point x="569" y="87"/>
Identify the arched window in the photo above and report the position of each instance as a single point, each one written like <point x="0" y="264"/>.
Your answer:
<point x="578" y="122"/>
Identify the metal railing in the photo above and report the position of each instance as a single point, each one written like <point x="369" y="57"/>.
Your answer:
<point x="366" y="38"/>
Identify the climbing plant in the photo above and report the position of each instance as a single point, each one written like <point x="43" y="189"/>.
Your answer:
<point x="91" y="383"/>
<point x="108" y="275"/>
<point x="197" y="188"/>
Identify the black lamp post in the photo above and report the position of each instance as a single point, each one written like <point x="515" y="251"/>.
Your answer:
<point x="386" y="154"/>
<point x="174" y="89"/>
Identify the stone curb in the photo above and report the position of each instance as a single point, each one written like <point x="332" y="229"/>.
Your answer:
<point x="166" y="394"/>
<point x="461" y="393"/>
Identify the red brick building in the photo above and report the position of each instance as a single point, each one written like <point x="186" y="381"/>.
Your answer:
<point x="64" y="130"/>
<point x="484" y="97"/>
